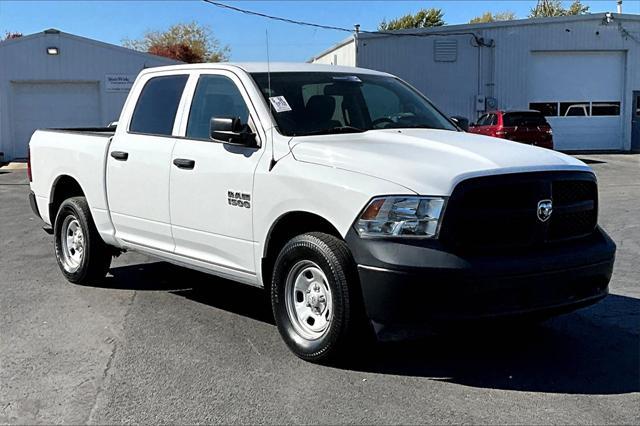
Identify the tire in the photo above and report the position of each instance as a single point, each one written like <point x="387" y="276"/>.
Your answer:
<point x="311" y="269"/>
<point x="82" y="256"/>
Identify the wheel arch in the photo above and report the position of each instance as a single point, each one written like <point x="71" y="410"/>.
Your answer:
<point x="64" y="187"/>
<point x="285" y="227"/>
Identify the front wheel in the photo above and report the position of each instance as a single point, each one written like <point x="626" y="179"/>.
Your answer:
<point x="81" y="254"/>
<point x="315" y="297"/>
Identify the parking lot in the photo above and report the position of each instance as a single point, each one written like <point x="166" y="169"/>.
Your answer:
<point x="155" y="343"/>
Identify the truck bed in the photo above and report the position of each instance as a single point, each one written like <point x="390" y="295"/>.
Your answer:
<point x="79" y="154"/>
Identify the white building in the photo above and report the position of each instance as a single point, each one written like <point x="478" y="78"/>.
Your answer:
<point x="55" y="79"/>
<point x="582" y="71"/>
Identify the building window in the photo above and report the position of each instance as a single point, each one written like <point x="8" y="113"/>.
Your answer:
<point x="548" y="109"/>
<point x="605" y="108"/>
<point x="578" y="108"/>
<point x="575" y="109"/>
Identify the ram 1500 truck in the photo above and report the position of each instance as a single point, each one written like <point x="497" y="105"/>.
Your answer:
<point x="342" y="191"/>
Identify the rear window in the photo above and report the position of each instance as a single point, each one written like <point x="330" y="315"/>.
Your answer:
<point x="157" y="105"/>
<point x="513" y="119"/>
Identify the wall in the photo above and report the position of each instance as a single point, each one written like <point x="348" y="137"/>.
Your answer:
<point x="452" y="86"/>
<point x="502" y="71"/>
<point x="80" y="60"/>
<point x="344" y="54"/>
<point x="515" y="47"/>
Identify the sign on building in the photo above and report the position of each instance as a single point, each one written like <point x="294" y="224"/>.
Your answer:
<point x="118" y="82"/>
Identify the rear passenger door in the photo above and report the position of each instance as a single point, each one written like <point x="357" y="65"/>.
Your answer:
<point x="211" y="195"/>
<point x="138" y="164"/>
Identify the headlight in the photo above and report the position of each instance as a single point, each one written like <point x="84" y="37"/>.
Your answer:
<point x="401" y="217"/>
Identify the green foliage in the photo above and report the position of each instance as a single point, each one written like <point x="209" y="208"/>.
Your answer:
<point x="188" y="42"/>
<point x="8" y="35"/>
<point x="577" y="8"/>
<point x="424" y="18"/>
<point x="549" y="8"/>
<point x="493" y="17"/>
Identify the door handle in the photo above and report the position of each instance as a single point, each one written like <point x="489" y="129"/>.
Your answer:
<point x="120" y="155"/>
<point x="184" y="163"/>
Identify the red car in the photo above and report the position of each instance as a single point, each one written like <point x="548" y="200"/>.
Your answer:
<point x="528" y="127"/>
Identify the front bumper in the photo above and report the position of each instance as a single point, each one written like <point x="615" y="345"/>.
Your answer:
<point x="409" y="282"/>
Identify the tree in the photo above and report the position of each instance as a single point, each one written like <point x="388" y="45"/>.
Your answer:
<point x="577" y="8"/>
<point x="424" y="18"/>
<point x="186" y="42"/>
<point x="493" y="17"/>
<point x="181" y="52"/>
<point x="547" y="8"/>
<point x="10" y="36"/>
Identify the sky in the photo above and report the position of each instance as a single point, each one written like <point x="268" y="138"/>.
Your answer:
<point x="113" y="21"/>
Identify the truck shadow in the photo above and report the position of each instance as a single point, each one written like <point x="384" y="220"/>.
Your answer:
<point x="593" y="351"/>
<point x="251" y="302"/>
<point x="580" y="353"/>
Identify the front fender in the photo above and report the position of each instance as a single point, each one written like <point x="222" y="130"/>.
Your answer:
<point x="336" y="195"/>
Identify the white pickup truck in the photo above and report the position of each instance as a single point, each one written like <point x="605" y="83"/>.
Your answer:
<point x="342" y="191"/>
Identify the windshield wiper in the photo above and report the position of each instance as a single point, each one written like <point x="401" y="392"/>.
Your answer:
<point x="333" y="130"/>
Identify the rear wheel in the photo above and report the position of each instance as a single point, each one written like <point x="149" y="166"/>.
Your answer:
<point x="315" y="297"/>
<point x="81" y="254"/>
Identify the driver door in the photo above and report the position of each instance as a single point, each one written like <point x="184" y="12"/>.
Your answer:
<point x="211" y="183"/>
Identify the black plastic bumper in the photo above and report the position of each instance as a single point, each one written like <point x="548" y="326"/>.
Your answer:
<point x="409" y="282"/>
<point x="34" y="205"/>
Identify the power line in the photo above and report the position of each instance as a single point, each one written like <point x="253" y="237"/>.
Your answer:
<point x="276" y="18"/>
<point x="479" y="40"/>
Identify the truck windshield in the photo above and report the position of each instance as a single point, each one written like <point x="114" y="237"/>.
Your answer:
<point x="308" y="103"/>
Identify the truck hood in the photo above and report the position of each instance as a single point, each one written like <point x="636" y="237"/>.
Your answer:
<point x="426" y="161"/>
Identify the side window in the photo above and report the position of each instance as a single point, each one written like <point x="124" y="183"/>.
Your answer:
<point x="157" y="105"/>
<point x="492" y="120"/>
<point x="482" y="120"/>
<point x="215" y="96"/>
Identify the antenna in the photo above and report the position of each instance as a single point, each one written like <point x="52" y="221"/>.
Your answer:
<point x="273" y="160"/>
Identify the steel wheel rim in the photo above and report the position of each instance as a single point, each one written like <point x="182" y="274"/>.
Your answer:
<point x="308" y="299"/>
<point x="73" y="244"/>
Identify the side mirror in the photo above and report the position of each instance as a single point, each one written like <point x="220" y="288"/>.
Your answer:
<point x="231" y="130"/>
<point x="462" y="122"/>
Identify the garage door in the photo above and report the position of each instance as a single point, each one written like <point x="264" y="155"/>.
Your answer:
<point x="42" y="105"/>
<point x="581" y="95"/>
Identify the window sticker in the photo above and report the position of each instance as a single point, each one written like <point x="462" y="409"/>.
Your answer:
<point x="279" y="103"/>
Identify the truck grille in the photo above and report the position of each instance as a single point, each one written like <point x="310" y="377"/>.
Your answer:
<point x="501" y="212"/>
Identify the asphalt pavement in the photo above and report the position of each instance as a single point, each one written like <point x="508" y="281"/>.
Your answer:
<point x="156" y="343"/>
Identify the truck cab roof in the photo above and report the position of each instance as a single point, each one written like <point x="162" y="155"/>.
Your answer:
<point x="262" y="67"/>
